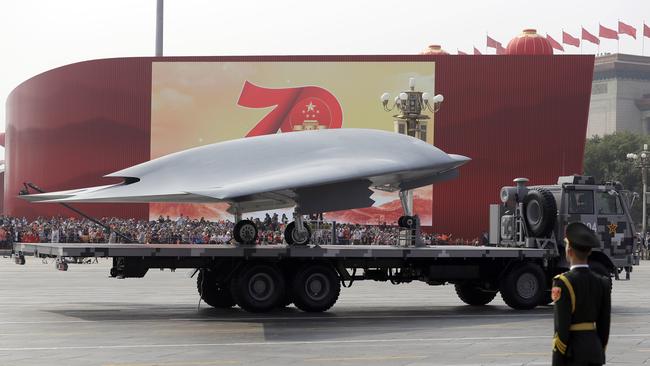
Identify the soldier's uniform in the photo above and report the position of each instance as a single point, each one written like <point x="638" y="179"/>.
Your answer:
<point x="582" y="301"/>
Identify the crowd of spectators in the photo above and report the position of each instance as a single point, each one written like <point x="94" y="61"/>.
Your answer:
<point x="193" y="231"/>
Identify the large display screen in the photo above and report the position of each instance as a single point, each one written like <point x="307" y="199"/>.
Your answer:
<point x="200" y="103"/>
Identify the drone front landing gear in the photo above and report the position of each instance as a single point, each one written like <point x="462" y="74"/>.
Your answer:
<point x="297" y="232"/>
<point x="409" y="233"/>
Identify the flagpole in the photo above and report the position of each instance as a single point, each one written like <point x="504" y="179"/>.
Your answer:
<point x="618" y="38"/>
<point x="598" y="45"/>
<point x="486" y="37"/>
<point x="581" y="40"/>
<point x="643" y="39"/>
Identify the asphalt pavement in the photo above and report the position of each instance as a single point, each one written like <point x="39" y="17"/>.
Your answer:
<point x="83" y="317"/>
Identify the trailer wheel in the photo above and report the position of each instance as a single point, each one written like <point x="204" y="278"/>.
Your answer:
<point x="472" y="295"/>
<point x="293" y="237"/>
<point x="540" y="211"/>
<point x="211" y="292"/>
<point x="245" y="232"/>
<point x="523" y="287"/>
<point x="258" y="288"/>
<point x="315" y="288"/>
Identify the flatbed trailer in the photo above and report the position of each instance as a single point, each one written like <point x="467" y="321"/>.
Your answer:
<point x="262" y="277"/>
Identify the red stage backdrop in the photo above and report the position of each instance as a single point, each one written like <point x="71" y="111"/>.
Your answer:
<point x="513" y="115"/>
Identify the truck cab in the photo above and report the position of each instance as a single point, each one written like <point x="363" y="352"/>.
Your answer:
<point x="536" y="217"/>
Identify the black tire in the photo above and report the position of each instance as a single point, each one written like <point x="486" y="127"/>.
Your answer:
<point x="258" y="288"/>
<point x="472" y="295"/>
<point x="523" y="287"/>
<point x="315" y="288"/>
<point x="245" y="232"/>
<point x="546" y="299"/>
<point x="540" y="212"/>
<point x="210" y="291"/>
<point x="291" y="235"/>
<point x="407" y="222"/>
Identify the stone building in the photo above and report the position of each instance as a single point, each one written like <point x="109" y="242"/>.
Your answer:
<point x="620" y="95"/>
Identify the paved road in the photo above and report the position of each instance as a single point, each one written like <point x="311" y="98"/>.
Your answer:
<point x="82" y="317"/>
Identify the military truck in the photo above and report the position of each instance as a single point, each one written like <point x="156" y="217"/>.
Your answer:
<point x="525" y="252"/>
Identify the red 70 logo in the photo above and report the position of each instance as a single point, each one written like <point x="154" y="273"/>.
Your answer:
<point x="294" y="108"/>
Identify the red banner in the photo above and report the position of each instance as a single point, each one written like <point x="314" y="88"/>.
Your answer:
<point x="570" y="40"/>
<point x="589" y="37"/>
<point x="555" y="44"/>
<point x="626" y="29"/>
<point x="461" y="52"/>
<point x="607" y="33"/>
<point x="646" y="31"/>
<point x="476" y="51"/>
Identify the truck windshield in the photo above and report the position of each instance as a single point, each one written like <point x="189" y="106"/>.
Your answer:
<point x="581" y="202"/>
<point x="608" y="204"/>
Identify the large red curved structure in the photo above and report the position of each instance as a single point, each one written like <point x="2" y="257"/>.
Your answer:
<point x="515" y="116"/>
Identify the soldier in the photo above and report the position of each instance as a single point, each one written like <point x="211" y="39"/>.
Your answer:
<point x="582" y="301"/>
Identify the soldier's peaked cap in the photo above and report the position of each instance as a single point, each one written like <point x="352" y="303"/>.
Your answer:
<point x="581" y="236"/>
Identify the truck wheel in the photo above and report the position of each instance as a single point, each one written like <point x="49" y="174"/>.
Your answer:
<point x="294" y="237"/>
<point x="258" y="288"/>
<point x="315" y="288"/>
<point x="540" y="212"/>
<point x="523" y="287"/>
<point x="472" y="295"/>
<point x="245" y="232"/>
<point x="546" y="299"/>
<point x="210" y="291"/>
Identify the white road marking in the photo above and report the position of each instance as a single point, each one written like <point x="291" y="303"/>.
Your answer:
<point x="292" y="318"/>
<point x="294" y="343"/>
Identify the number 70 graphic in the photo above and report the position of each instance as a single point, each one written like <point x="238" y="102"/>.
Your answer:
<point x="293" y="107"/>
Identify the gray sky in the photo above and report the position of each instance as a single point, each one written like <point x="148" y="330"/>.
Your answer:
<point x="41" y="35"/>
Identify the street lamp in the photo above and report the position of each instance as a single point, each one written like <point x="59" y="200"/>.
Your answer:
<point x="411" y="121"/>
<point x="411" y="104"/>
<point x="642" y="160"/>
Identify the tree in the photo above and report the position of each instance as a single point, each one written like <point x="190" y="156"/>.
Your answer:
<point x="605" y="160"/>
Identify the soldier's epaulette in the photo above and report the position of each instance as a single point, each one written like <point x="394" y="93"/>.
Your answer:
<point x="557" y="277"/>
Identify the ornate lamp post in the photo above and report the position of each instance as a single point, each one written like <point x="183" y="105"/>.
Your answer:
<point x="411" y="103"/>
<point x="410" y="121"/>
<point x="642" y="160"/>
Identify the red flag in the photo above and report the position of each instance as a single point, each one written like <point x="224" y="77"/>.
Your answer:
<point x="589" y="37"/>
<point x="477" y="52"/>
<point x="555" y="44"/>
<point x="626" y="29"/>
<point x="492" y="43"/>
<point x="501" y="50"/>
<point x="646" y="31"/>
<point x="606" y="32"/>
<point x="461" y="52"/>
<point x="570" y="40"/>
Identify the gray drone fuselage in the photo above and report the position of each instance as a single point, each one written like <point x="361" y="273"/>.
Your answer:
<point x="317" y="171"/>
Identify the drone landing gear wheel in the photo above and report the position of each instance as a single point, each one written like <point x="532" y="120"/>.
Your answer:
<point x="245" y="232"/>
<point x="296" y="237"/>
<point x="407" y="222"/>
